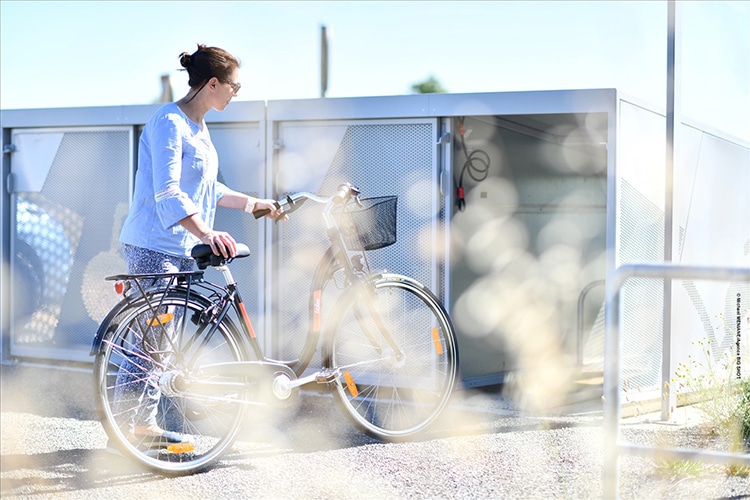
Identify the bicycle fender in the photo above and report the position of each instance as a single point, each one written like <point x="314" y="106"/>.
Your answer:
<point x="127" y="301"/>
<point x="106" y="323"/>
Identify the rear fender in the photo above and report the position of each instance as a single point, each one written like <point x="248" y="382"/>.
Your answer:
<point x="107" y="324"/>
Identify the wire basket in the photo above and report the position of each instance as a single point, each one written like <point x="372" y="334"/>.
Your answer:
<point x="369" y="227"/>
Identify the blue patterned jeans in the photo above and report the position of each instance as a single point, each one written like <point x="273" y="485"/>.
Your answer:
<point x="137" y="392"/>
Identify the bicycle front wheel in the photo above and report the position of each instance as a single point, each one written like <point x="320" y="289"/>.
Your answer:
<point x="142" y="373"/>
<point x="394" y="351"/>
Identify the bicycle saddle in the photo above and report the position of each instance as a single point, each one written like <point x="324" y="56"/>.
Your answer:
<point x="205" y="257"/>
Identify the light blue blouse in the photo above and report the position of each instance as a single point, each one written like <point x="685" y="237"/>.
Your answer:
<point x="176" y="178"/>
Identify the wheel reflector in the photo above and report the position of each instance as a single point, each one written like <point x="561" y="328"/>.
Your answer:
<point x="181" y="448"/>
<point x="436" y="340"/>
<point x="161" y="319"/>
<point x="350" y="384"/>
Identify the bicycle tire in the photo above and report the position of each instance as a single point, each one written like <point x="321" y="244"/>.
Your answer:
<point x="388" y="398"/>
<point x="213" y="419"/>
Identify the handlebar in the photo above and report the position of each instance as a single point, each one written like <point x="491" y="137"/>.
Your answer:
<point x="265" y="211"/>
<point x="345" y="192"/>
<point x="292" y="202"/>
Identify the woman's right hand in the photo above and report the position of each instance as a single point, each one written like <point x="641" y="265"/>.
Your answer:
<point x="221" y="243"/>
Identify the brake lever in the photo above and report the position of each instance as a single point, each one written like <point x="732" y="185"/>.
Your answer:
<point x="292" y="207"/>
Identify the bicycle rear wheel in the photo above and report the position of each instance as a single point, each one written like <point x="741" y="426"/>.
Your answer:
<point x="148" y="354"/>
<point x="394" y="351"/>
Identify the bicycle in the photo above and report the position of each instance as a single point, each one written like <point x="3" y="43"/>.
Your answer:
<point x="388" y="348"/>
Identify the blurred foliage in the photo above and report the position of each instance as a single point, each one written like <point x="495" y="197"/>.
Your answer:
<point x="429" y="86"/>
<point x="722" y="397"/>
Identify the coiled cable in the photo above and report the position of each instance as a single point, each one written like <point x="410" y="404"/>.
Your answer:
<point x="477" y="164"/>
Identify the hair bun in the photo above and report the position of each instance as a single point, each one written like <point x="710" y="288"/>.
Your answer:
<point x="185" y="59"/>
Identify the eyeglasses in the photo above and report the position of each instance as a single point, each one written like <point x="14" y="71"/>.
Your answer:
<point x="235" y="86"/>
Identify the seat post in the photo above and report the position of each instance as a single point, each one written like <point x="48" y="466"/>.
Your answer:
<point x="227" y="274"/>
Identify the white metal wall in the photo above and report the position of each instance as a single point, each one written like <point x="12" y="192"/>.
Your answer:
<point x="711" y="227"/>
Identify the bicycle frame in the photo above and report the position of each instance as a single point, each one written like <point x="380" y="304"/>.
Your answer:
<point x="335" y="258"/>
<point x="388" y="349"/>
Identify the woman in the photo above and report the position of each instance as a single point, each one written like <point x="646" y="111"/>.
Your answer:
<point x="174" y="203"/>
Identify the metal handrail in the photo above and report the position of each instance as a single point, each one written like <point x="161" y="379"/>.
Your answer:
<point x="612" y="347"/>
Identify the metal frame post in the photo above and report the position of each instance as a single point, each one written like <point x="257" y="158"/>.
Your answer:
<point x="612" y="347"/>
<point x="669" y="402"/>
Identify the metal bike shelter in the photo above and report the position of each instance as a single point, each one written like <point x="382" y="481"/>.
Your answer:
<point x="570" y="171"/>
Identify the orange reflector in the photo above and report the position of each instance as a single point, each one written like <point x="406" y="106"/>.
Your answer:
<point x="436" y="341"/>
<point x="350" y="384"/>
<point x="161" y="319"/>
<point x="119" y="287"/>
<point x="181" y="448"/>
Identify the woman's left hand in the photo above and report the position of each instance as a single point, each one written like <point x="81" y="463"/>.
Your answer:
<point x="270" y="205"/>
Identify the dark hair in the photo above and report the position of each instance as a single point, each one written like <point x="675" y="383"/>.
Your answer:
<point x="207" y="62"/>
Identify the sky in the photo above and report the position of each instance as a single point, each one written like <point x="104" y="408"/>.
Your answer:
<point x="111" y="53"/>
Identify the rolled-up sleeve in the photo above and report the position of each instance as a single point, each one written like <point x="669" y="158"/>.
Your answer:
<point x="172" y="203"/>
<point x="221" y="190"/>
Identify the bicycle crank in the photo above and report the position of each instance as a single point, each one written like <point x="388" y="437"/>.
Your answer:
<point x="252" y="382"/>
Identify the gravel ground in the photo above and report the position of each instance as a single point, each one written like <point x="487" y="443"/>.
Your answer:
<point x="53" y="446"/>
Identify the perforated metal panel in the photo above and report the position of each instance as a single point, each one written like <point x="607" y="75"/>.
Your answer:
<point x="382" y="159"/>
<point x="68" y="209"/>
<point x="641" y="240"/>
<point x="242" y="168"/>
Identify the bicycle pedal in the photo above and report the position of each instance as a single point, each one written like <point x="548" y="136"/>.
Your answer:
<point x="326" y="376"/>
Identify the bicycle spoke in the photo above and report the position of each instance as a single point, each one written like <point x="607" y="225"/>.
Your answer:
<point x="396" y="357"/>
<point x="138" y="363"/>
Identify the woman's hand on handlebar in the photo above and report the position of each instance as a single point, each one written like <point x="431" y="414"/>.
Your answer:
<point x="268" y="208"/>
<point x="279" y="210"/>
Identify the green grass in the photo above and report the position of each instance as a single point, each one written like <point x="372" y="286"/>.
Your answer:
<point x="723" y="398"/>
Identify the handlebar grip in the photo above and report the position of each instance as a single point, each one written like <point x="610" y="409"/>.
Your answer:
<point x="342" y="191"/>
<point x="345" y="191"/>
<point x="265" y="211"/>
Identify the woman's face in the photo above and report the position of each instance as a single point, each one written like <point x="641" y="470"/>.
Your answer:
<point x="226" y="90"/>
